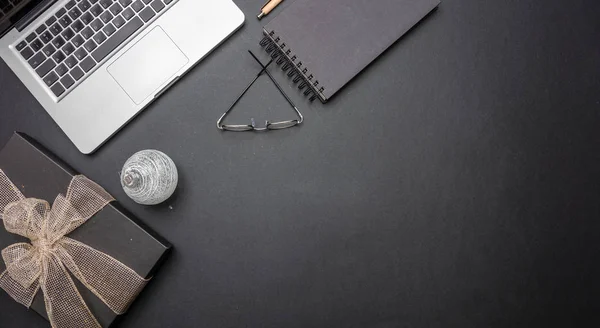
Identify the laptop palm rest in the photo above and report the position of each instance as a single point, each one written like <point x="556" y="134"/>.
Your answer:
<point x="148" y="65"/>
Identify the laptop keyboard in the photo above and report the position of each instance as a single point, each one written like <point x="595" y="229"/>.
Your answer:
<point x="70" y="45"/>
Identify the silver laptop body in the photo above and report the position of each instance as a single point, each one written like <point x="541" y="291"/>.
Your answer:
<point x="133" y="50"/>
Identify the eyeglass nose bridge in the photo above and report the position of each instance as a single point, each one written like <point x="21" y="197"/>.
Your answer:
<point x="265" y="128"/>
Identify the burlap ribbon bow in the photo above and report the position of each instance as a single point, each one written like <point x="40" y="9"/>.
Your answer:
<point x="44" y="263"/>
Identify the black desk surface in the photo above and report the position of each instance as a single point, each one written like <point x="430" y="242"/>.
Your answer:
<point x="454" y="183"/>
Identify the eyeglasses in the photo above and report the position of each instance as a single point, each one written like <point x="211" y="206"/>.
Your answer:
<point x="268" y="125"/>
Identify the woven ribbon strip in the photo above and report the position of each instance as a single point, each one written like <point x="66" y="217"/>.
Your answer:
<point x="45" y="263"/>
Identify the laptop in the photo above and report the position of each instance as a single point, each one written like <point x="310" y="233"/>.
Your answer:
<point x="95" y="64"/>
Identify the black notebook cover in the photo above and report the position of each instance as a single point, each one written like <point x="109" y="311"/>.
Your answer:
<point x="328" y="42"/>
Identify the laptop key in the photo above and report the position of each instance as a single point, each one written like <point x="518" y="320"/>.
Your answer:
<point x="71" y="62"/>
<point x="77" y="26"/>
<point x="125" y="3"/>
<point x="50" y="78"/>
<point x="27" y="53"/>
<point x="116" y="9"/>
<point x="59" y="57"/>
<point x="109" y="29"/>
<point x="57" y="89"/>
<point x="147" y="14"/>
<point x="78" y="41"/>
<point x="75" y="13"/>
<point x="80" y="53"/>
<point x="87" y="33"/>
<point x="87" y="64"/>
<point x="55" y="29"/>
<point x="119" y="21"/>
<point x="65" y="21"/>
<point x="67" y="81"/>
<point x="93" y="1"/>
<point x="128" y="13"/>
<point x="21" y="45"/>
<point x="167" y="2"/>
<point x="48" y="50"/>
<point x="87" y="18"/>
<point x="105" y="3"/>
<point x="68" y="49"/>
<point x="137" y="6"/>
<point x="68" y="34"/>
<point x="61" y="70"/>
<point x="147" y="1"/>
<point x="46" y="67"/>
<point x="77" y="73"/>
<point x="40" y="29"/>
<point x="106" y="17"/>
<point x="70" y="4"/>
<point x="51" y="21"/>
<point x="84" y="5"/>
<point x="157" y="5"/>
<point x="30" y="37"/>
<point x="60" y="12"/>
<point x="97" y="25"/>
<point x="46" y="37"/>
<point x="36" y="45"/>
<point x="90" y="45"/>
<point x="96" y="10"/>
<point x="119" y="37"/>
<point x="58" y="42"/>
<point x="99" y="37"/>
<point x="36" y="60"/>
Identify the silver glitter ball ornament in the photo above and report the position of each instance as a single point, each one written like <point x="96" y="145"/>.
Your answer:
<point x="149" y="177"/>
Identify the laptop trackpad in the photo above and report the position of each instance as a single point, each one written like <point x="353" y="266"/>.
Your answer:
<point x="149" y="64"/>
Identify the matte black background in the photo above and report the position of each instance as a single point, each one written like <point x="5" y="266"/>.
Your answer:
<point x="453" y="183"/>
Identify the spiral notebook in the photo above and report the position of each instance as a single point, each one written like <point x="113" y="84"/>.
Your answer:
<point x="323" y="44"/>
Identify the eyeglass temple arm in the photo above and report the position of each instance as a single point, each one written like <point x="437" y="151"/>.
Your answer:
<point x="264" y="69"/>
<point x="278" y="86"/>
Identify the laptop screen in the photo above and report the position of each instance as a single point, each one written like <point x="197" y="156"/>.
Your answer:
<point x="11" y="11"/>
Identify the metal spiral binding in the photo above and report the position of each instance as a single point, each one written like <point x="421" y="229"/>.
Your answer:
<point x="296" y="70"/>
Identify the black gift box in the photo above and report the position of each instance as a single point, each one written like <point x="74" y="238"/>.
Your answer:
<point x="39" y="174"/>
